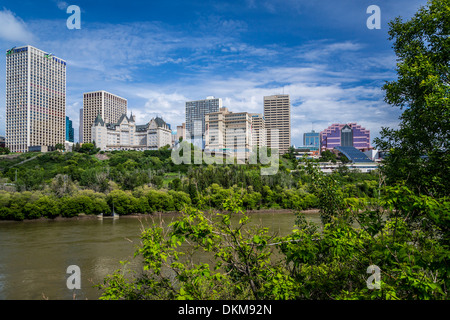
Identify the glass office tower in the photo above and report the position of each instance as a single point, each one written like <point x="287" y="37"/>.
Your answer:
<point x="195" y="118"/>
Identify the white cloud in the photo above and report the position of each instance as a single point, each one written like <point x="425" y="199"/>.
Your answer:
<point x="323" y="78"/>
<point x="13" y="29"/>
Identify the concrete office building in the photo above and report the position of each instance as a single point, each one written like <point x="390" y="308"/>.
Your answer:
<point x="35" y="100"/>
<point x="277" y="114"/>
<point x="195" y="118"/>
<point x="259" y="137"/>
<point x="80" y="127"/>
<point x="229" y="133"/>
<point x="110" y="107"/>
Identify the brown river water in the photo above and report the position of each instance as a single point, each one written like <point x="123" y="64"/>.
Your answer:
<point x="35" y="255"/>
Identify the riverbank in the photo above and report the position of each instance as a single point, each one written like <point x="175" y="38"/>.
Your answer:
<point x="158" y="214"/>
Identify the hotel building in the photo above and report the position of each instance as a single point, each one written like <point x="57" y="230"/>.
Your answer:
<point x="126" y="135"/>
<point x="110" y="107"/>
<point x="35" y="100"/>
<point x="277" y="114"/>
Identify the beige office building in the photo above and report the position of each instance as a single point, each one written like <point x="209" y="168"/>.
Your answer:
<point x="229" y="133"/>
<point x="35" y="100"/>
<point x="277" y="114"/>
<point x="109" y="106"/>
<point x="259" y="137"/>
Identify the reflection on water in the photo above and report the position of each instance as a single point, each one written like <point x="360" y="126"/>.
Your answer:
<point x="34" y="255"/>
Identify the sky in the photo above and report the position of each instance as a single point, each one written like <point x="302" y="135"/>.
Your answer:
<point x="160" y="54"/>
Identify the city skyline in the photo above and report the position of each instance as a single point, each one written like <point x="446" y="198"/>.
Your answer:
<point x="321" y="54"/>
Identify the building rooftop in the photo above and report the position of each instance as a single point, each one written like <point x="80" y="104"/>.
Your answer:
<point x="353" y="154"/>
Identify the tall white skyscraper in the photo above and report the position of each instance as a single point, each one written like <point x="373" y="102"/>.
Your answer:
<point x="109" y="106"/>
<point x="35" y="99"/>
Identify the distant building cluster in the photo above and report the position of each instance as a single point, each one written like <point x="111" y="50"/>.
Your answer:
<point x="36" y="119"/>
<point x="219" y="131"/>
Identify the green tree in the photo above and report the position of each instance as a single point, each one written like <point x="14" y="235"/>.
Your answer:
<point x="242" y="265"/>
<point x="327" y="155"/>
<point x="88" y="148"/>
<point x="419" y="150"/>
<point x="329" y="194"/>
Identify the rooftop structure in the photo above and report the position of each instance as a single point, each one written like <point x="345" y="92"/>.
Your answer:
<point x="353" y="154"/>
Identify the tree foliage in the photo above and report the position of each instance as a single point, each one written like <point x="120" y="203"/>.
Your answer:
<point x="419" y="151"/>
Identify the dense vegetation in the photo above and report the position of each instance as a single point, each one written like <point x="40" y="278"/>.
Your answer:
<point x="71" y="183"/>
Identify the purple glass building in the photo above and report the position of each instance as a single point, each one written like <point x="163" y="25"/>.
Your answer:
<point x="346" y="135"/>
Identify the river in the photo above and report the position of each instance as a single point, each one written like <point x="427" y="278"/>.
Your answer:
<point x="35" y="255"/>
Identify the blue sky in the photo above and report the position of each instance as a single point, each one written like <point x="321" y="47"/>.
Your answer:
<point x="160" y="54"/>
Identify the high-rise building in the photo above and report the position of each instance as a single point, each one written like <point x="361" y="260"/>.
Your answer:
<point x="229" y="133"/>
<point x="277" y="113"/>
<point x="69" y="130"/>
<point x="259" y="137"/>
<point x="35" y="99"/>
<point x="195" y="117"/>
<point x="345" y="135"/>
<point x="109" y="106"/>
<point x="80" y="127"/>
